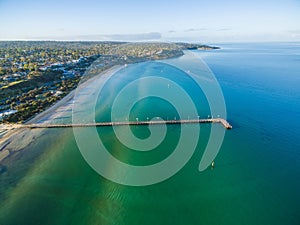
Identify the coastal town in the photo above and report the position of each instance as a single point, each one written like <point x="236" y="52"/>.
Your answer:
<point x="34" y="75"/>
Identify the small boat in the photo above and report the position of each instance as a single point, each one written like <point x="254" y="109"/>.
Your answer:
<point x="213" y="164"/>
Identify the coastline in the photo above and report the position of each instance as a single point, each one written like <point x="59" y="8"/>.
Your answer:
<point x="59" y="109"/>
<point x="64" y="106"/>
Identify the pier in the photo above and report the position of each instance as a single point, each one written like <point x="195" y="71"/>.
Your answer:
<point x="131" y="123"/>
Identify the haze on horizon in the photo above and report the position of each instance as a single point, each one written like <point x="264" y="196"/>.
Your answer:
<point x="157" y="20"/>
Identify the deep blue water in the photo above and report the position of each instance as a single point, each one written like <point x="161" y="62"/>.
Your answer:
<point x="261" y="85"/>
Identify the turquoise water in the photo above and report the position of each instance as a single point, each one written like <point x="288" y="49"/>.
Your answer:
<point x="256" y="174"/>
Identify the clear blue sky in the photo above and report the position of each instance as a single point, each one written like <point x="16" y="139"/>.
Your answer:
<point x="190" y="20"/>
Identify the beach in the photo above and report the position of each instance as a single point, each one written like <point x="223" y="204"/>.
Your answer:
<point x="14" y="140"/>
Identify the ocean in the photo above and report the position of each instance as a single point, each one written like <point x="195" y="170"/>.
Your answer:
<point x="256" y="177"/>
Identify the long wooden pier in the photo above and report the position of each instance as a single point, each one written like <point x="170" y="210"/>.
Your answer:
<point x="133" y="123"/>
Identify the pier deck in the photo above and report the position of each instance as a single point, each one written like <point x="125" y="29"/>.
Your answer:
<point x="133" y="123"/>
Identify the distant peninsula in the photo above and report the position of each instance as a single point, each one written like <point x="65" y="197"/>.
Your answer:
<point x="191" y="46"/>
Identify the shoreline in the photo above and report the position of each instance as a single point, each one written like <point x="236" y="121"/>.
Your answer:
<point x="63" y="106"/>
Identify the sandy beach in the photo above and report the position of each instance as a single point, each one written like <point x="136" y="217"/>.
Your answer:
<point x="9" y="134"/>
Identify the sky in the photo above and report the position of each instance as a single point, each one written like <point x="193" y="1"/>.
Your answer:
<point x="209" y="21"/>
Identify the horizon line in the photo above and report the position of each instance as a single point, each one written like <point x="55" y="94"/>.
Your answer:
<point x="147" y="41"/>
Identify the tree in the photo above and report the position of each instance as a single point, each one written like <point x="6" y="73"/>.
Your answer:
<point x="25" y="67"/>
<point x="14" y="69"/>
